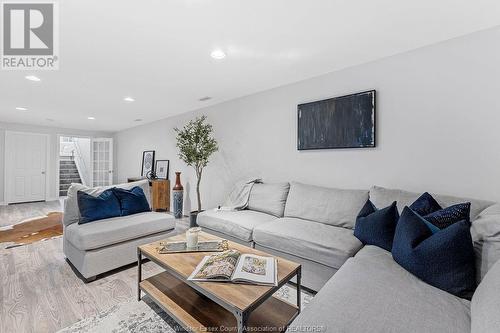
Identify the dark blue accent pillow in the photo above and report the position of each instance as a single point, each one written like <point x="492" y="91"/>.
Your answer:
<point x="425" y="204"/>
<point x="104" y="206"/>
<point x="377" y="226"/>
<point x="444" y="259"/>
<point x="427" y="207"/>
<point x="449" y="215"/>
<point x="132" y="201"/>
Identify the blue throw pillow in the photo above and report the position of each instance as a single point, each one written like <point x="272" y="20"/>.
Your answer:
<point x="132" y="201"/>
<point x="104" y="206"/>
<point x="444" y="259"/>
<point x="425" y="204"/>
<point x="449" y="215"/>
<point x="427" y="207"/>
<point x="377" y="226"/>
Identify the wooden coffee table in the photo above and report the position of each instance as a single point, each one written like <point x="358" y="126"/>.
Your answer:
<point x="216" y="306"/>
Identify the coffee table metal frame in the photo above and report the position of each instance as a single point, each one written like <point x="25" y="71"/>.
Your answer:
<point x="241" y="316"/>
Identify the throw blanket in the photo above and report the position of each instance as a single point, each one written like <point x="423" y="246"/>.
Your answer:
<point x="238" y="198"/>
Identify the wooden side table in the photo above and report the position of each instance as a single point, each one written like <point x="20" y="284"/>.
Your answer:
<point x="160" y="195"/>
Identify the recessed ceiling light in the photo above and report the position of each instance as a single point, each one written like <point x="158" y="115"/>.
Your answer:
<point x="91" y="118"/>
<point x="206" y="98"/>
<point x="33" y="78"/>
<point x="129" y="99"/>
<point x="218" y="54"/>
<point x="21" y="108"/>
<point x="138" y="119"/>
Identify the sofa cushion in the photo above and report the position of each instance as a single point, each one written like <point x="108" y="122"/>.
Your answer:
<point x="382" y="197"/>
<point x="444" y="259"/>
<point x="239" y="224"/>
<point x="377" y="226"/>
<point x="104" y="206"/>
<point x="269" y="198"/>
<point x="485" y="305"/>
<point x="485" y="232"/>
<point x="372" y="293"/>
<point x="71" y="211"/>
<point x="332" y="206"/>
<point x="322" y="243"/>
<point x="106" y="232"/>
<point x="132" y="201"/>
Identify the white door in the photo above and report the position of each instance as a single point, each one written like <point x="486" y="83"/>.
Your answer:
<point x="102" y="162"/>
<point x="25" y="167"/>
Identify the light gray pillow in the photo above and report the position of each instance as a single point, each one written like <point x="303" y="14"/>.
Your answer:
<point x="71" y="210"/>
<point x="269" y="198"/>
<point x="332" y="206"/>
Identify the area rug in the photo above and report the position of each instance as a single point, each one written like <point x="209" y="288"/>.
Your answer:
<point x="33" y="230"/>
<point x="133" y="316"/>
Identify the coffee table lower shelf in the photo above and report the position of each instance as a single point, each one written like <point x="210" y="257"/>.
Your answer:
<point x="196" y="313"/>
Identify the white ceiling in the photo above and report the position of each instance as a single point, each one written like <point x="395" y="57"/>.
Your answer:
<point x="158" y="51"/>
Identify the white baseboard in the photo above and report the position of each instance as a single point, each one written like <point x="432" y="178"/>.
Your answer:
<point x="3" y="204"/>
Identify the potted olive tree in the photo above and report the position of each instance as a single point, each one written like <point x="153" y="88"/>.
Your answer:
<point x="196" y="145"/>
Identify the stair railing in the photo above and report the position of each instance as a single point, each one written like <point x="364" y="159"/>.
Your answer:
<point x="81" y="166"/>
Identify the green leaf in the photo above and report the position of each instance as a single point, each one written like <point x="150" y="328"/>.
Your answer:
<point x="196" y="145"/>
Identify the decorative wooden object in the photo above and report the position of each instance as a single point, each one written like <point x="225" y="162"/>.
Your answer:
<point x="160" y="195"/>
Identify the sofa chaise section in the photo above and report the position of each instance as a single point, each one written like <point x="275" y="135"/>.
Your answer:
<point x="372" y="293"/>
<point x="91" y="236"/>
<point x="320" y="248"/>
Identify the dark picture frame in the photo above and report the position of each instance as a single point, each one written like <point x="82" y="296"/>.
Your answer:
<point x="344" y="122"/>
<point x="160" y="167"/>
<point x="148" y="162"/>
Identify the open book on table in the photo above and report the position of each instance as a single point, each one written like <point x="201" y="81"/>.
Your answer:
<point x="233" y="266"/>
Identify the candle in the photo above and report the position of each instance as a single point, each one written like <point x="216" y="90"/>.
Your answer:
<point x="192" y="237"/>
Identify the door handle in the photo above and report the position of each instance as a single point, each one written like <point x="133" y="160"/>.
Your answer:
<point x="43" y="172"/>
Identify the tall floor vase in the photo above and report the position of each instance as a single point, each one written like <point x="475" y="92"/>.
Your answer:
<point x="178" y="196"/>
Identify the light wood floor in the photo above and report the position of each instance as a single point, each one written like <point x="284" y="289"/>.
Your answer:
<point x="39" y="292"/>
<point x="13" y="214"/>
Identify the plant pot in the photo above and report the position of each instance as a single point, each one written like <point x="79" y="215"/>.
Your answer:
<point x="192" y="219"/>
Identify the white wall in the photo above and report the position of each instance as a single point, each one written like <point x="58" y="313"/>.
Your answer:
<point x="438" y="116"/>
<point x="84" y="145"/>
<point x="53" y="150"/>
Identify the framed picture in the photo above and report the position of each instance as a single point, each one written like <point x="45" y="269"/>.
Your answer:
<point x="148" y="162"/>
<point x="161" y="168"/>
<point x="340" y="122"/>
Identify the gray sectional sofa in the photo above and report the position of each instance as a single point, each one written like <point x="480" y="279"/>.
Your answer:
<point x="308" y="224"/>
<point x="100" y="246"/>
<point x="362" y="288"/>
<point x="372" y="293"/>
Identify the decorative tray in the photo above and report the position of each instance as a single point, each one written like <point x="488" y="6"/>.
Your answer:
<point x="203" y="246"/>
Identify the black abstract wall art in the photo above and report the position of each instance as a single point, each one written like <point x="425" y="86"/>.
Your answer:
<point x="340" y="122"/>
